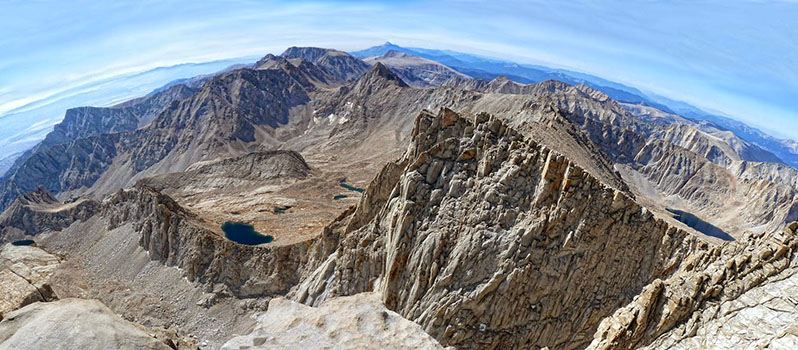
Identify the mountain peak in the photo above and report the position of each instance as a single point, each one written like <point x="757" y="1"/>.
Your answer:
<point x="308" y="53"/>
<point x="395" y="53"/>
<point x="379" y="74"/>
<point x="337" y="63"/>
<point x="383" y="71"/>
<point x="378" y="50"/>
<point x="38" y="196"/>
<point x="501" y="79"/>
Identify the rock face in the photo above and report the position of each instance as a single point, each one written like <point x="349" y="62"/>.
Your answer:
<point x="738" y="295"/>
<point x="176" y="237"/>
<point x="84" y="122"/>
<point x="489" y="240"/>
<point x="24" y="277"/>
<point x="255" y="168"/>
<point x="79" y="324"/>
<point x="337" y="63"/>
<point x="355" y="322"/>
<point x="37" y="212"/>
<point x="675" y="162"/>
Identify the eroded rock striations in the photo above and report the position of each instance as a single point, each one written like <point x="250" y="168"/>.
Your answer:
<point x="176" y="237"/>
<point x="490" y="240"/>
<point x="738" y="295"/>
<point x="38" y="212"/>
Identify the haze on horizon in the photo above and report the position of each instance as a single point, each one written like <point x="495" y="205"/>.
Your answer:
<point x="734" y="58"/>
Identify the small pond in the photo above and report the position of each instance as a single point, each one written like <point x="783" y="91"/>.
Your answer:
<point x="23" y="242"/>
<point x="244" y="233"/>
<point x="340" y="196"/>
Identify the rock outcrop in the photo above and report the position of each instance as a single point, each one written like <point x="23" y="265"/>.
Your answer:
<point x="348" y="323"/>
<point x="80" y="324"/>
<point x="337" y="63"/>
<point x="38" y="212"/>
<point x="490" y="240"/>
<point x="24" y="277"/>
<point x="176" y="237"/>
<point x="738" y="295"/>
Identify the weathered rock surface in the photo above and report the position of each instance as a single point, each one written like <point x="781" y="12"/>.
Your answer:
<point x="24" y="277"/>
<point x="337" y="63"/>
<point x="739" y="295"/>
<point x="38" y="212"/>
<point x="356" y="322"/>
<point x="675" y="162"/>
<point x="80" y="324"/>
<point x="83" y="122"/>
<point x="176" y="237"/>
<point x="489" y="240"/>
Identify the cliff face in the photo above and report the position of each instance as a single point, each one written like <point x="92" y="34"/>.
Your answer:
<point x="231" y="115"/>
<point x="176" y="237"/>
<point x="38" y="212"/>
<point x="489" y="240"/>
<point x="733" y="296"/>
<point x="83" y="122"/>
<point x="677" y="163"/>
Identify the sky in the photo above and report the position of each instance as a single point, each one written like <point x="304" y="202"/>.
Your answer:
<point x="738" y="58"/>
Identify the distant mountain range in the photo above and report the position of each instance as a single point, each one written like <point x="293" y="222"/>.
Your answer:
<point x="488" y="69"/>
<point x="487" y="212"/>
<point x="25" y="126"/>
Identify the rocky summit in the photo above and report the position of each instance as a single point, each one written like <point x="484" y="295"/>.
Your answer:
<point x="409" y="203"/>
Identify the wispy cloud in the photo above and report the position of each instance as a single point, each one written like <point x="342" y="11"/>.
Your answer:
<point x="735" y="57"/>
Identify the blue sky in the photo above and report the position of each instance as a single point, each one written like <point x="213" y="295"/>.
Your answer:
<point x="738" y="58"/>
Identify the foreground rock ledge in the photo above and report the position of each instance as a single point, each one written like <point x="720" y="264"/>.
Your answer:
<point x="70" y="324"/>
<point x="347" y="323"/>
